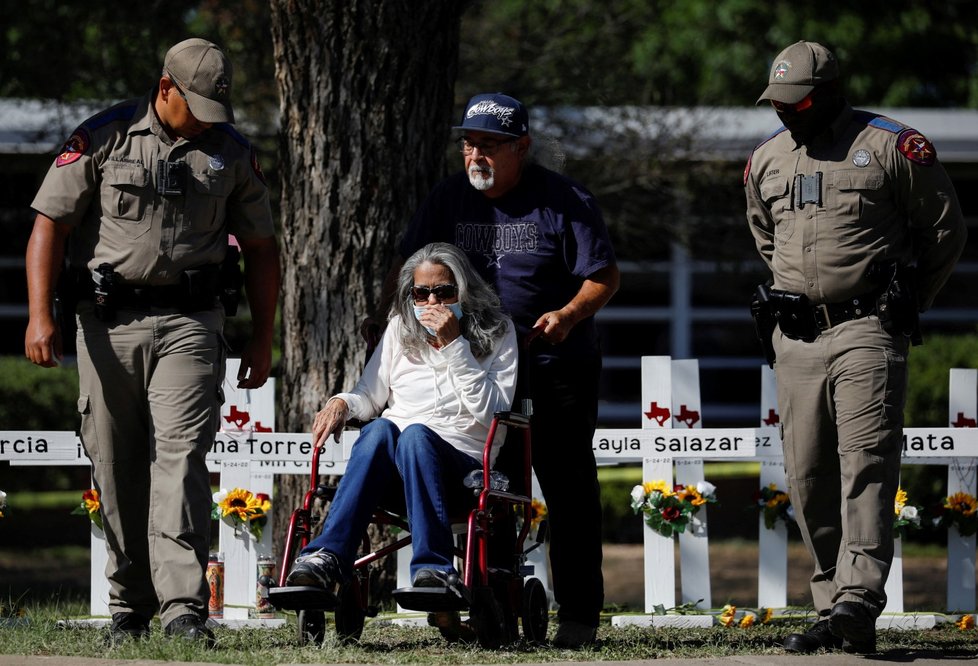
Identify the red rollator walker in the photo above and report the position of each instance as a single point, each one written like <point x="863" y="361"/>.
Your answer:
<point x="499" y="596"/>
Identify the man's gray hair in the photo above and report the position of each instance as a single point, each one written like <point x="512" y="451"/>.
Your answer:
<point x="483" y="321"/>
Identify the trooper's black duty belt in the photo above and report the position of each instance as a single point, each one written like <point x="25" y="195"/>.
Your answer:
<point x="198" y="289"/>
<point x="801" y="319"/>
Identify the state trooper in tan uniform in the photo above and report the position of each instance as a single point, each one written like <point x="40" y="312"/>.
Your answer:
<point x="849" y="209"/>
<point x="146" y="194"/>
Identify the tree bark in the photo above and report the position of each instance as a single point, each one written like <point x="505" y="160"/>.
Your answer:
<point x="366" y="92"/>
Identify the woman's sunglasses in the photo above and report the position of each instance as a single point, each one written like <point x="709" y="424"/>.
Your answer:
<point x="441" y="292"/>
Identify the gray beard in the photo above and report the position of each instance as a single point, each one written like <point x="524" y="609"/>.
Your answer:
<point x="481" y="179"/>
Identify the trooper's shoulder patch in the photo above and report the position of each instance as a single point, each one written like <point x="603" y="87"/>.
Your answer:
<point x="76" y="146"/>
<point x="916" y="148"/>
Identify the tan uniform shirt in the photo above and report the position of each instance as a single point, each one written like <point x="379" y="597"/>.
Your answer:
<point x="884" y="198"/>
<point x="104" y="185"/>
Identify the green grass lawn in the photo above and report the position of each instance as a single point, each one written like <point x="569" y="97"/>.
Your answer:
<point x="39" y="632"/>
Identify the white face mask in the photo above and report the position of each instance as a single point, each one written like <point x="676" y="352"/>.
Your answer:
<point x="456" y="309"/>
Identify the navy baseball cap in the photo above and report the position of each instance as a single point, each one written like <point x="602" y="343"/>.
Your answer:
<point x="496" y="113"/>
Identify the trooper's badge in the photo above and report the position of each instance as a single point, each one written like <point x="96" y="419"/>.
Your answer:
<point x="861" y="157"/>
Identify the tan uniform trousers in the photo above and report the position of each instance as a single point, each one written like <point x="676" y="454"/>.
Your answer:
<point x="841" y="399"/>
<point x="150" y="407"/>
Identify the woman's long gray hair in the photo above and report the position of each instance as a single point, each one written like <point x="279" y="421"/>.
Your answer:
<point x="483" y="321"/>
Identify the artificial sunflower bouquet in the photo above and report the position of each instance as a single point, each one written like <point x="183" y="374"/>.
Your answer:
<point x="906" y="516"/>
<point x="774" y="504"/>
<point x="669" y="511"/>
<point x="90" y="506"/>
<point x="242" y="510"/>
<point x="961" y="511"/>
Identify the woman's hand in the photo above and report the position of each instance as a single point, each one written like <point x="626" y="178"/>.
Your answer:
<point x="442" y="321"/>
<point x="330" y="421"/>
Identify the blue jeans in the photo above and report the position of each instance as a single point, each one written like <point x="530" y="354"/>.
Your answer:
<point x="431" y="471"/>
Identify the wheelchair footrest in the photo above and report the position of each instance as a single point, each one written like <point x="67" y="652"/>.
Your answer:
<point x="302" y="597"/>
<point x="433" y="599"/>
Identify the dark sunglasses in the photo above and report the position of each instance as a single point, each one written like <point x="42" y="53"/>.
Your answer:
<point x="441" y="292"/>
<point x="804" y="104"/>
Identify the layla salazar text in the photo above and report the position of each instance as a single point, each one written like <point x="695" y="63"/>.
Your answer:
<point x="662" y="444"/>
<point x="618" y="445"/>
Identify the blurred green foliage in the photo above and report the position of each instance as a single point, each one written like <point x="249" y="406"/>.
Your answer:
<point x="34" y="398"/>
<point x="930" y="364"/>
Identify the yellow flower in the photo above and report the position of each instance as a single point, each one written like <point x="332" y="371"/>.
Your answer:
<point x="900" y="501"/>
<point x="966" y="622"/>
<point x="91" y="500"/>
<point x="89" y="506"/>
<point x="691" y="495"/>
<point x="747" y="621"/>
<point x="727" y="615"/>
<point x="538" y="511"/>
<point x="768" y="614"/>
<point x="263" y="504"/>
<point x="241" y="503"/>
<point x="963" y="503"/>
<point x="660" y="486"/>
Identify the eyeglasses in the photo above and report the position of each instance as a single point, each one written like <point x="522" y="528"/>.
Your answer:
<point x="441" y="292"/>
<point x="798" y="107"/>
<point x="487" y="149"/>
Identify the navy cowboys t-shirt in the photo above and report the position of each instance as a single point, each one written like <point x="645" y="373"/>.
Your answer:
<point x="535" y="244"/>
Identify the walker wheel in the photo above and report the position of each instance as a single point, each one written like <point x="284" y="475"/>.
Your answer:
<point x="536" y="614"/>
<point x="349" y="615"/>
<point x="487" y="618"/>
<point x="311" y="626"/>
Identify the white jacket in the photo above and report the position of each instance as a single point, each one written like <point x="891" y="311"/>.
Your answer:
<point x="448" y="389"/>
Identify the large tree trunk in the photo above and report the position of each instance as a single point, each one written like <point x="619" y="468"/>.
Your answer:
<point x="366" y="98"/>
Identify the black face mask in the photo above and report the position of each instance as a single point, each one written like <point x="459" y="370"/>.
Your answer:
<point x="808" y="124"/>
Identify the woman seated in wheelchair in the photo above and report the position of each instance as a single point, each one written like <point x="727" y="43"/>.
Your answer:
<point x="445" y="364"/>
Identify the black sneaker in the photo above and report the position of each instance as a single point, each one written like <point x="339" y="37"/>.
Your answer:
<point x="320" y="569"/>
<point x="435" y="578"/>
<point x="126" y="627"/>
<point x="855" y="624"/>
<point x="573" y="635"/>
<point x="818" y="637"/>
<point x="446" y="580"/>
<point x="192" y="628"/>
